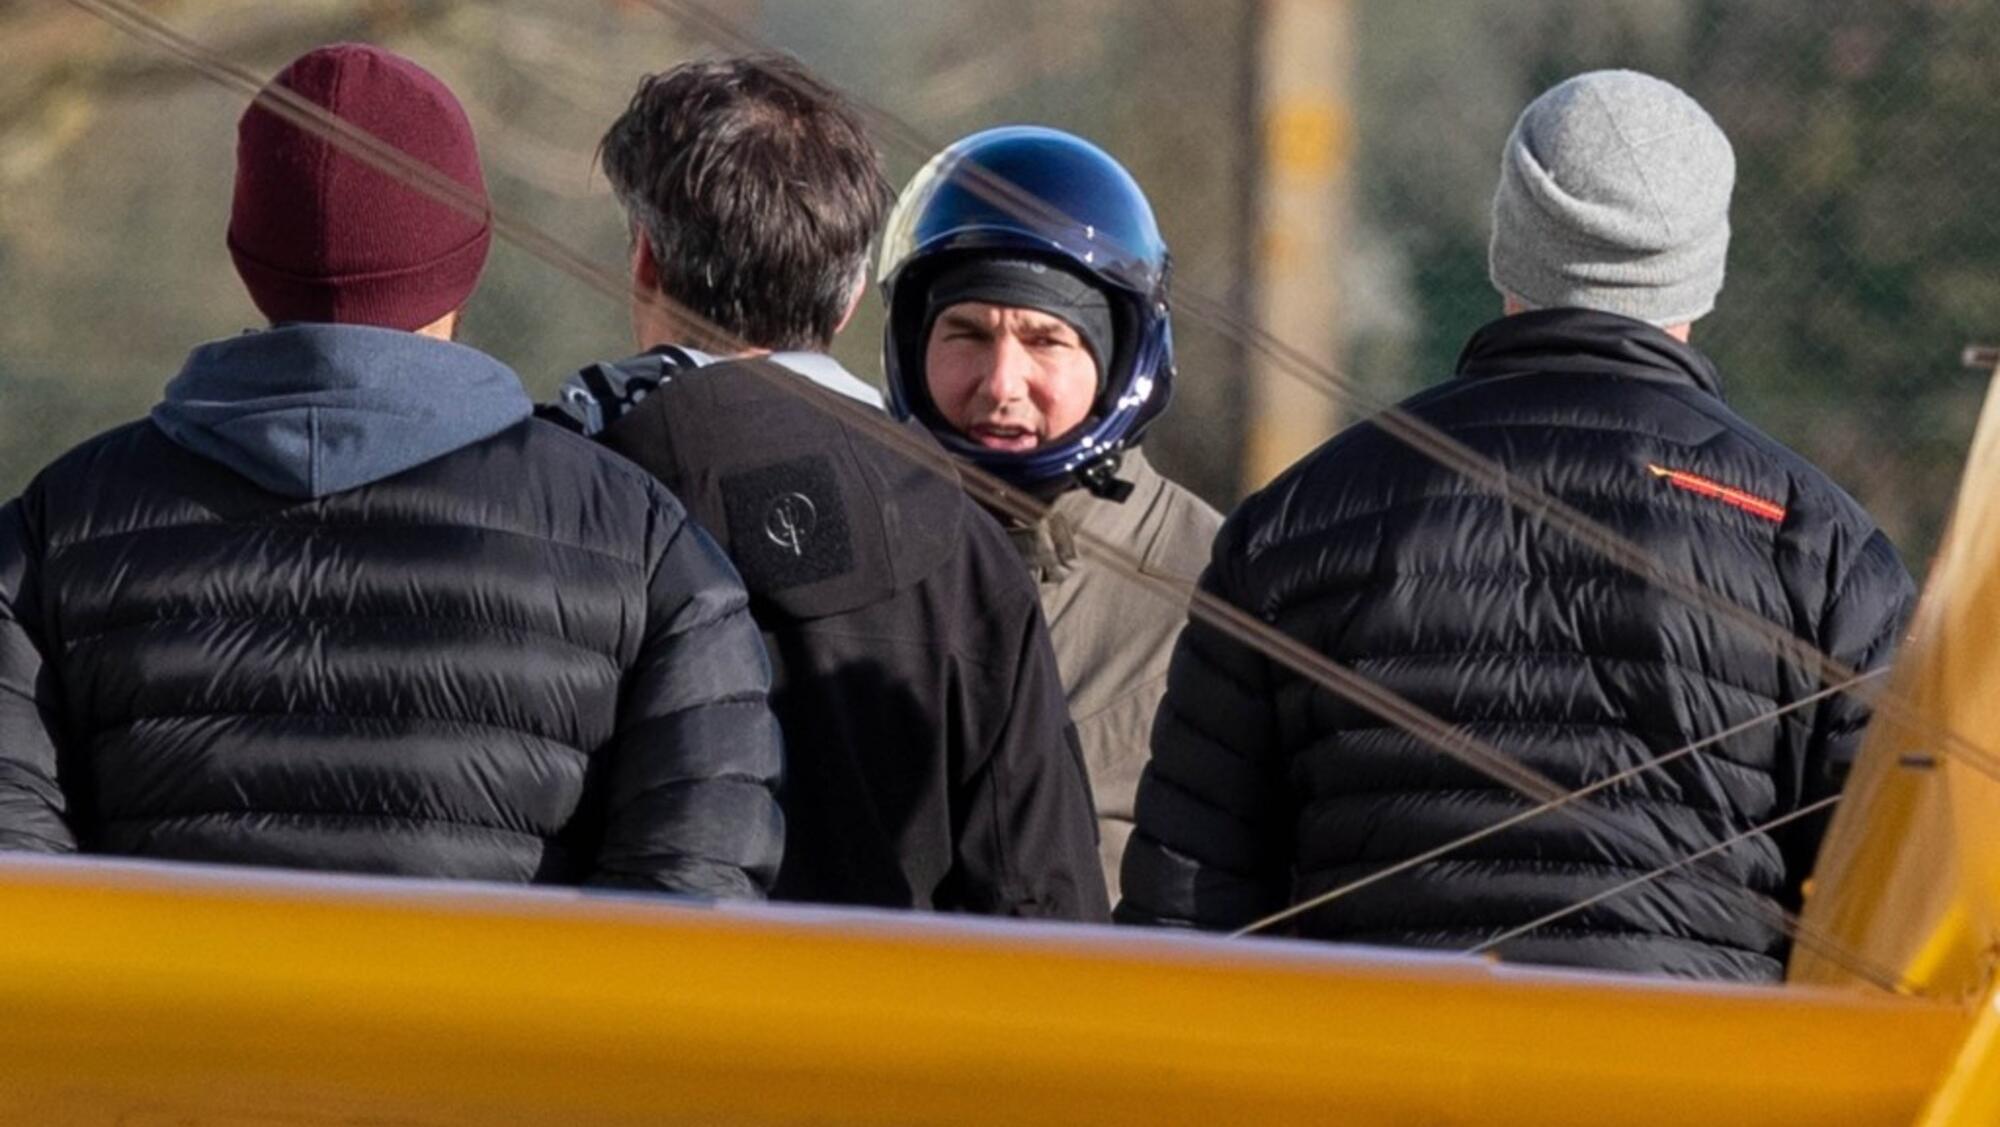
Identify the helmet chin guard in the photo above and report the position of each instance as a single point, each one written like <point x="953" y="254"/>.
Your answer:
<point x="1028" y="190"/>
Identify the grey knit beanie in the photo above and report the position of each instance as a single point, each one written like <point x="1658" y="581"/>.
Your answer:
<point x="1614" y="195"/>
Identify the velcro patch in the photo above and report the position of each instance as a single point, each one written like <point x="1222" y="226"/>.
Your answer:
<point x="787" y="524"/>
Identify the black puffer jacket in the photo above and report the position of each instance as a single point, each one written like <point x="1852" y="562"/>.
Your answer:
<point x="495" y="651"/>
<point x="930" y="760"/>
<point x="1263" y="792"/>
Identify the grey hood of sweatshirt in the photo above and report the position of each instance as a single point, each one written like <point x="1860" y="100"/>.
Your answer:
<point x="310" y="410"/>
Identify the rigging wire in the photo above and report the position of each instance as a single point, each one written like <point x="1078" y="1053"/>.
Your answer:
<point x="1625" y="886"/>
<point x="1807" y="934"/>
<point x="1537" y="503"/>
<point x="990" y="491"/>
<point x="984" y="488"/>
<point x="1483" y="471"/>
<point x="1435" y="852"/>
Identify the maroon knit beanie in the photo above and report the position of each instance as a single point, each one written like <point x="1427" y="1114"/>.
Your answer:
<point x="321" y="235"/>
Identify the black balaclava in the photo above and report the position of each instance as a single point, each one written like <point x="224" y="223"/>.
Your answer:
<point x="1028" y="283"/>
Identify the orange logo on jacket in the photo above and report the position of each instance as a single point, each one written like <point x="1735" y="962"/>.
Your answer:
<point x="1695" y="483"/>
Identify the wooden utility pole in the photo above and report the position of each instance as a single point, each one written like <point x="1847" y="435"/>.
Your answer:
<point x="1306" y="126"/>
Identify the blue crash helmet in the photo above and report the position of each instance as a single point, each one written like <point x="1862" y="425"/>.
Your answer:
<point x="1049" y="194"/>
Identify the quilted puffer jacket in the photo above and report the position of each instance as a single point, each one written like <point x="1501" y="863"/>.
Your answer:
<point x="340" y="604"/>
<point x="1263" y="791"/>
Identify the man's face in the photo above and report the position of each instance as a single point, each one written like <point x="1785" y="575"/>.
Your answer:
<point x="1008" y="378"/>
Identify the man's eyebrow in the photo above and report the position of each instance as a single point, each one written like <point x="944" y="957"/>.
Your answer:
<point x="961" y="319"/>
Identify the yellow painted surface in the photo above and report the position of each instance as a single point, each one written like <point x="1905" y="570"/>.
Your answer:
<point x="142" y="997"/>
<point x="1969" y="1093"/>
<point x="1909" y="877"/>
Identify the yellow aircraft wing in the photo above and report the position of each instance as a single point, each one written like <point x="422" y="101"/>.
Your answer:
<point x="157" y="996"/>
<point x="1909" y="876"/>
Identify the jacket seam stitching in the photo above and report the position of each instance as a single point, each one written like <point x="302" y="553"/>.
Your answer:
<point x="735" y="778"/>
<point x="330" y="815"/>
<point x="464" y="722"/>
<point x="1183" y="856"/>
<point x="468" y="623"/>
<point x="1558" y="865"/>
<point x="1225" y="744"/>
<point x="1839" y="589"/>
<point x="1247" y="819"/>
<point x="1702" y="674"/>
<point x="733" y="700"/>
<point x="1609" y="796"/>
<point x="1703" y="515"/>
<point x="341" y="526"/>
<point x="1607" y="933"/>
<point x="1319" y="738"/>
<point x="1762" y="771"/>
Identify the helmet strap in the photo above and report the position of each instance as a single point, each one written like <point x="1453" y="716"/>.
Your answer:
<point x="1102" y="480"/>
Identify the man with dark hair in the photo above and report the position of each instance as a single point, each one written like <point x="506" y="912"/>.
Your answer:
<point x="341" y="604"/>
<point x="1610" y="228"/>
<point x="751" y="194"/>
<point x="931" y="760"/>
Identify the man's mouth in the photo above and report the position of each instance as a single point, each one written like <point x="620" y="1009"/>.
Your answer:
<point x="1003" y="436"/>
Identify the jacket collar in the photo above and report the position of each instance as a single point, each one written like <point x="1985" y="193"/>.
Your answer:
<point x="1049" y="545"/>
<point x="592" y="399"/>
<point x="1585" y="342"/>
<point x="827" y="372"/>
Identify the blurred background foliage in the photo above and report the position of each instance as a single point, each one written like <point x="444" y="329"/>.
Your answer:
<point x="1866" y="251"/>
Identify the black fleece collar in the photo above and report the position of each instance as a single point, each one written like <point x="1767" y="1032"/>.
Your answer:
<point x="1585" y="341"/>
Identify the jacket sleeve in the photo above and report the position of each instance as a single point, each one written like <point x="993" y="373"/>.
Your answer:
<point x="691" y="804"/>
<point x="32" y="807"/>
<point x="1026" y="842"/>
<point x="1212" y="844"/>
<point x="1862" y="624"/>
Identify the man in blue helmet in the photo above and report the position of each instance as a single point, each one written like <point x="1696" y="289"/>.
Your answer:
<point x="1028" y="329"/>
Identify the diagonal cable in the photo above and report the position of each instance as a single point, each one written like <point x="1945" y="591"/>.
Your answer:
<point x="1805" y="934"/>
<point x="1651" y="875"/>
<point x="990" y="491"/>
<point x="1482" y="471"/>
<point x="1654" y="764"/>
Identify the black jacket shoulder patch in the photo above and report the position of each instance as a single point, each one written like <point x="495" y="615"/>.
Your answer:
<point x="787" y="524"/>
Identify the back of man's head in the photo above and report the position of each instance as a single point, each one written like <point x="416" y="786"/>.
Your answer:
<point x="758" y="191"/>
<point x="319" y="234"/>
<point x="1614" y="195"/>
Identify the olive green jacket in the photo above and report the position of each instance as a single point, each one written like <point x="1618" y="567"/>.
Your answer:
<point x="1112" y="636"/>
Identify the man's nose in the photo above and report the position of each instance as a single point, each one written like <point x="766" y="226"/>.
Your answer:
<point x="1006" y="376"/>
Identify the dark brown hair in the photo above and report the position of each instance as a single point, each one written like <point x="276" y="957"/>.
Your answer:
<point x="759" y="191"/>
